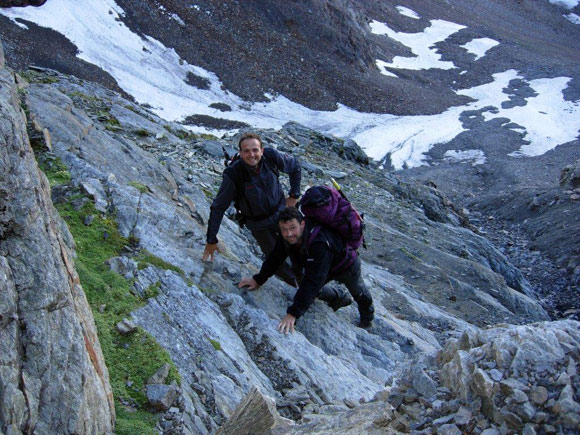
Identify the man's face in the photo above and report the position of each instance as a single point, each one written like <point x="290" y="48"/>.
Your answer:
<point x="251" y="152"/>
<point x="292" y="231"/>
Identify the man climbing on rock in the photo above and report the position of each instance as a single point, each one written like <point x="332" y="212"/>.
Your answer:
<point x="317" y="258"/>
<point x="252" y="182"/>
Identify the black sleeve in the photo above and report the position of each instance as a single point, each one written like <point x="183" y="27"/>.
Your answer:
<point x="315" y="274"/>
<point x="272" y="262"/>
<point x="289" y="165"/>
<point x="220" y="204"/>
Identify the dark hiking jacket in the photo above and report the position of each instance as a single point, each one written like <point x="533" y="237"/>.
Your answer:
<point x="316" y="260"/>
<point x="259" y="194"/>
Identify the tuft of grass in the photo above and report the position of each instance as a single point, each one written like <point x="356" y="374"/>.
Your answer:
<point x="32" y="76"/>
<point x="209" y="194"/>
<point x="153" y="290"/>
<point x="410" y="255"/>
<point x="147" y="259"/>
<point x="216" y="344"/>
<point x="54" y="169"/>
<point x="139" y="186"/>
<point x="132" y="422"/>
<point x="143" y="132"/>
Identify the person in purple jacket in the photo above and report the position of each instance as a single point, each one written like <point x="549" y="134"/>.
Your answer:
<point x="252" y="182"/>
<point x="317" y="258"/>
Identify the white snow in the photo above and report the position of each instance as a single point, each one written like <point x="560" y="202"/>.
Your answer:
<point x="568" y="4"/>
<point x="178" y="19"/>
<point x="421" y="44"/>
<point x="475" y="157"/>
<point x="573" y="18"/>
<point x="408" y="12"/>
<point x="480" y="46"/>
<point x="156" y="77"/>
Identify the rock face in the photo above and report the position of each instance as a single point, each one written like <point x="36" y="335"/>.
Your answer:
<point x="52" y="375"/>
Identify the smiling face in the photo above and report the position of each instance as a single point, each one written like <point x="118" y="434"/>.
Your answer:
<point x="251" y="151"/>
<point x="292" y="230"/>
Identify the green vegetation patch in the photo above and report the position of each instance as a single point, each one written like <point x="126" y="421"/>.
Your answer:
<point x="139" y="186"/>
<point x="143" y="132"/>
<point x="32" y="76"/>
<point x="54" y="169"/>
<point x="216" y="344"/>
<point x="146" y="259"/>
<point x="131" y="359"/>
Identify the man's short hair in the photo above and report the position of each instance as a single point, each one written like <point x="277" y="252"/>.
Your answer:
<point x="250" y="136"/>
<point x="290" y="213"/>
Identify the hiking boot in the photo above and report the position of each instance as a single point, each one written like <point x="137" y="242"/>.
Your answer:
<point x="366" y="317"/>
<point x="365" y="323"/>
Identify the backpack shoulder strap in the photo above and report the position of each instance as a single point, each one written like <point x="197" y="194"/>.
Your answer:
<point x="270" y="160"/>
<point x="237" y="173"/>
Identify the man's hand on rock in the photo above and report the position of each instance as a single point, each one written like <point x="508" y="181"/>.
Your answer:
<point x="250" y="283"/>
<point x="208" y="252"/>
<point x="287" y="324"/>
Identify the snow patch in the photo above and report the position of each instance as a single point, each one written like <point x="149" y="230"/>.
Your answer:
<point x="568" y="4"/>
<point x="421" y="44"/>
<point x="573" y="18"/>
<point x="480" y="46"/>
<point x="178" y="19"/>
<point x="475" y="157"/>
<point x="408" y="12"/>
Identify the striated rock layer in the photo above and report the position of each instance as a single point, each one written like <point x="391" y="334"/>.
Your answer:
<point x="52" y="374"/>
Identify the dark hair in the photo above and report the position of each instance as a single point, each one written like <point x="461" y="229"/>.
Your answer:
<point x="250" y="136"/>
<point x="290" y="213"/>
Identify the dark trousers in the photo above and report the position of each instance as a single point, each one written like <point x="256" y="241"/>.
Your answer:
<point x="266" y="239"/>
<point x="353" y="281"/>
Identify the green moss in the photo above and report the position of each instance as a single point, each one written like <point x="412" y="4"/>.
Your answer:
<point x="410" y="255"/>
<point x="207" y="290"/>
<point x="132" y="108"/>
<point x="143" y="132"/>
<point x="134" y="422"/>
<point x="208" y="192"/>
<point x="153" y="290"/>
<point x="139" y="186"/>
<point x="188" y="135"/>
<point x="216" y="344"/>
<point x="147" y="259"/>
<point x="54" y="169"/>
<point x="32" y="76"/>
<point x="82" y="96"/>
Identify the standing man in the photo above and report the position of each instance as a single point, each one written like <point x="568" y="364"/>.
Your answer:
<point x="252" y="181"/>
<point x="317" y="257"/>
